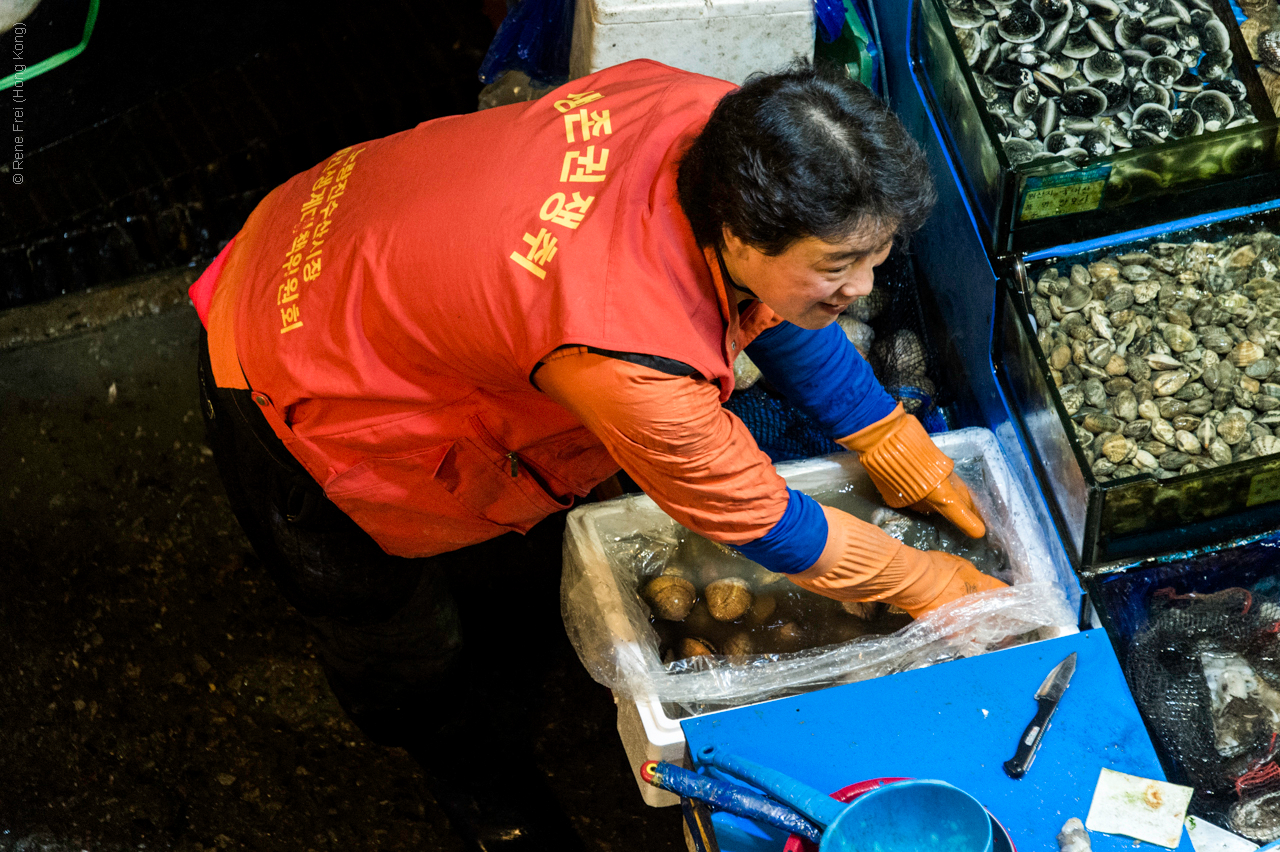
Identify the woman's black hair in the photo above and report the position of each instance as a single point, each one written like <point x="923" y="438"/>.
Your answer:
<point x="806" y="152"/>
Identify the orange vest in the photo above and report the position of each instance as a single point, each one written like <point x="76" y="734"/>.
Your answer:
<point x="390" y="304"/>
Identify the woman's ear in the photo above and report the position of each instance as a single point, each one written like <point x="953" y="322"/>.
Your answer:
<point x="733" y="247"/>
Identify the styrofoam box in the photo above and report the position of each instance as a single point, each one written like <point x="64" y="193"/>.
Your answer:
<point x="728" y="39"/>
<point x="647" y="732"/>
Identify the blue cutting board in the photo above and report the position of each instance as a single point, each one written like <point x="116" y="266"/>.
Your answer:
<point x="958" y="722"/>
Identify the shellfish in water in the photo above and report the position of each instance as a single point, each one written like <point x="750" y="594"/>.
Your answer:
<point x="669" y="597"/>
<point x="1195" y="386"/>
<point x="1053" y="71"/>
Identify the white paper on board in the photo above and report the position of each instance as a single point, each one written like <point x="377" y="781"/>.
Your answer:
<point x="1142" y="808"/>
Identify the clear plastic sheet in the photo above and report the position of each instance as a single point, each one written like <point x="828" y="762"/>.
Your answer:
<point x="611" y="548"/>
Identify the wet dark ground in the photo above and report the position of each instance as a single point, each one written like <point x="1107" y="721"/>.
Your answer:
<point x="156" y="692"/>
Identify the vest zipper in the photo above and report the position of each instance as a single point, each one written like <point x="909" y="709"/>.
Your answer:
<point x="515" y="464"/>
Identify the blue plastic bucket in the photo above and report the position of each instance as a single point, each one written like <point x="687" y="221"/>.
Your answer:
<point x="911" y="816"/>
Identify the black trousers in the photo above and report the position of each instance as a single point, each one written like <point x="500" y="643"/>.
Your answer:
<point x="387" y="628"/>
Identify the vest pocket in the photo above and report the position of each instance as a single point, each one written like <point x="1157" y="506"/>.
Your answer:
<point x="496" y="483"/>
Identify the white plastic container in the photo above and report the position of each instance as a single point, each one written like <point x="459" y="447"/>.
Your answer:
<point x="728" y="39"/>
<point x="600" y="610"/>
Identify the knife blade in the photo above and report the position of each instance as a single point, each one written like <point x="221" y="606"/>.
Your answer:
<point x="1047" y="697"/>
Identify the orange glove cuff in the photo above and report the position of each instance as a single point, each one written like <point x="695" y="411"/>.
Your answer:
<point x="861" y="562"/>
<point x="901" y="458"/>
<point x="868" y="436"/>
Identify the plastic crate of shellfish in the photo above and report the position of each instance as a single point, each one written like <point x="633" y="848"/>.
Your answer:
<point x="677" y="626"/>
<point x="1144" y="378"/>
<point x="1197" y="639"/>
<point x="1070" y="120"/>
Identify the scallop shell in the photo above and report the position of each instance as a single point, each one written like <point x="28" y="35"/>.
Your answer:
<point x="763" y="608"/>
<point x="691" y="646"/>
<point x="669" y="597"/>
<point x="1118" y="449"/>
<point x="738" y="645"/>
<point x="728" y="599"/>
<point x="1265" y="445"/>
<point x="868" y="307"/>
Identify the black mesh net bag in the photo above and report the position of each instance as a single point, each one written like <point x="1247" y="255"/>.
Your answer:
<point x="1205" y="672"/>
<point x="889" y="330"/>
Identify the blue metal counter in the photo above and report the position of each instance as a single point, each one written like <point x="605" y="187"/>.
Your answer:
<point x="957" y="722"/>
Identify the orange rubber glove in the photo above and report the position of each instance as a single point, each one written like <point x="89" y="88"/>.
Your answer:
<point x="909" y="470"/>
<point x="862" y="562"/>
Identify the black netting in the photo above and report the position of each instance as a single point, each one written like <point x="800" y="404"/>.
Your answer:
<point x="1203" y="672"/>
<point x="904" y="358"/>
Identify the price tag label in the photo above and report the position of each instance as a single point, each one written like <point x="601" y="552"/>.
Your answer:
<point x="1264" y="488"/>
<point x="1058" y="195"/>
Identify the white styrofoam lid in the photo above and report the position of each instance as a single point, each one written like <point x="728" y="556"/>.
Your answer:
<point x="607" y="12"/>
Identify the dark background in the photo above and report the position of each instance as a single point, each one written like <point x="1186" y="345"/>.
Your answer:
<point x="156" y="692"/>
<point x="148" y="150"/>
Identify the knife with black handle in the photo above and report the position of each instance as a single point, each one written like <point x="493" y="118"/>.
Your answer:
<point x="1047" y="697"/>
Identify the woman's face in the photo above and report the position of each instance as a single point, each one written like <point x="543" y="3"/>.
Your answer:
<point x="813" y="281"/>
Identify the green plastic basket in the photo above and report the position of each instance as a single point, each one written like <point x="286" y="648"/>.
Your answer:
<point x="58" y="58"/>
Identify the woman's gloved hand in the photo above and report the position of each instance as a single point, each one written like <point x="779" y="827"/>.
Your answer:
<point x="861" y="562"/>
<point x="909" y="470"/>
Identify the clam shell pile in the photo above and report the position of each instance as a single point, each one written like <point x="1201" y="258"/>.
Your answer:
<point x="1080" y="79"/>
<point x="1166" y="358"/>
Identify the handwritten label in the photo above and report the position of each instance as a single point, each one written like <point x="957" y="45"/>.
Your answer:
<point x="1058" y="195"/>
